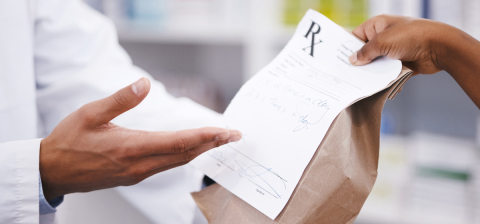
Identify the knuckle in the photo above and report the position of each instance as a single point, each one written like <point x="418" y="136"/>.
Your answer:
<point x="381" y="20"/>
<point x="381" y="24"/>
<point x="122" y="156"/>
<point x="128" y="150"/>
<point x="205" y="134"/>
<point x="220" y="143"/>
<point x="370" y="33"/>
<point x="121" y="98"/>
<point x="123" y="150"/>
<point x="181" y="145"/>
<point x="189" y="155"/>
<point x="357" y="31"/>
<point x="381" y="17"/>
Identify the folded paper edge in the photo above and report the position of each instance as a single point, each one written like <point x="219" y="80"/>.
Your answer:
<point x="406" y="74"/>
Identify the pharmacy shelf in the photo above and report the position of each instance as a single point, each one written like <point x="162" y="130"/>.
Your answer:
<point x="259" y="48"/>
<point x="207" y="36"/>
<point x="166" y="36"/>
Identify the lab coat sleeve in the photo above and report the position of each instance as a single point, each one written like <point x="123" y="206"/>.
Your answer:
<point x="19" y="186"/>
<point x="78" y="60"/>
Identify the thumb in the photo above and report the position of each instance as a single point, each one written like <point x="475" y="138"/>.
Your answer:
<point x="367" y="53"/>
<point x="104" y="110"/>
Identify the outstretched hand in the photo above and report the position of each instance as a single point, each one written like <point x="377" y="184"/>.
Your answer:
<point x="86" y="152"/>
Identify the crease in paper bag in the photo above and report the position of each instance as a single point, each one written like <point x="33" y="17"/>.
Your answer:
<point x="334" y="195"/>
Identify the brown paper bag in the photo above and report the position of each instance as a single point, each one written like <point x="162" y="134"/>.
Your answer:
<point x="335" y="183"/>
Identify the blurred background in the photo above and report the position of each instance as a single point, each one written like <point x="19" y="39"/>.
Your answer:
<point x="429" y="169"/>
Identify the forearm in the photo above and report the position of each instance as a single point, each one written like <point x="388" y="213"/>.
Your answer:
<point x="460" y="57"/>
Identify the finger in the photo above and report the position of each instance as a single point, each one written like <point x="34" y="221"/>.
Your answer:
<point x="382" y="23"/>
<point x="359" y="31"/>
<point x="234" y="137"/>
<point x="369" y="29"/>
<point x="156" y="143"/>
<point x="138" y="175"/>
<point x="154" y="162"/>
<point x="150" y="165"/>
<point x="367" y="53"/>
<point x="104" y="110"/>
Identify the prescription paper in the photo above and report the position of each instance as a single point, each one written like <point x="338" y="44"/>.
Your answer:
<point x="285" y="110"/>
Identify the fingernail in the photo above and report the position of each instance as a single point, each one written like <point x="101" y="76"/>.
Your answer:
<point x="222" y="136"/>
<point x="353" y="58"/>
<point x="139" y="86"/>
<point x="234" y="138"/>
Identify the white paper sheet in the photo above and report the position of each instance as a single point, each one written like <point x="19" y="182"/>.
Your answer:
<point x="285" y="110"/>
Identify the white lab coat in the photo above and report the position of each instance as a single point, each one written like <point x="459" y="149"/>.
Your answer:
<point x="55" y="56"/>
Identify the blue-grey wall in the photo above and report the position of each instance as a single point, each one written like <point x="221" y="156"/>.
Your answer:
<point x="433" y="103"/>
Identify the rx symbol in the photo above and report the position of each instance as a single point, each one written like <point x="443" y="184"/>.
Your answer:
<point x="314" y="30"/>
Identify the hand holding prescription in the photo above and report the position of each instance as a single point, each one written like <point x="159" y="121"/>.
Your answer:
<point x="425" y="46"/>
<point x="285" y="110"/>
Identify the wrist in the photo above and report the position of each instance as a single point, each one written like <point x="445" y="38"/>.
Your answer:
<point x="448" y="47"/>
<point x="49" y="191"/>
<point x="439" y="42"/>
<point x="49" y="194"/>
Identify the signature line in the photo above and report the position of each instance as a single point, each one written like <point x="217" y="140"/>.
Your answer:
<point x="263" y="189"/>
<point x="259" y="176"/>
<point x="269" y="170"/>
